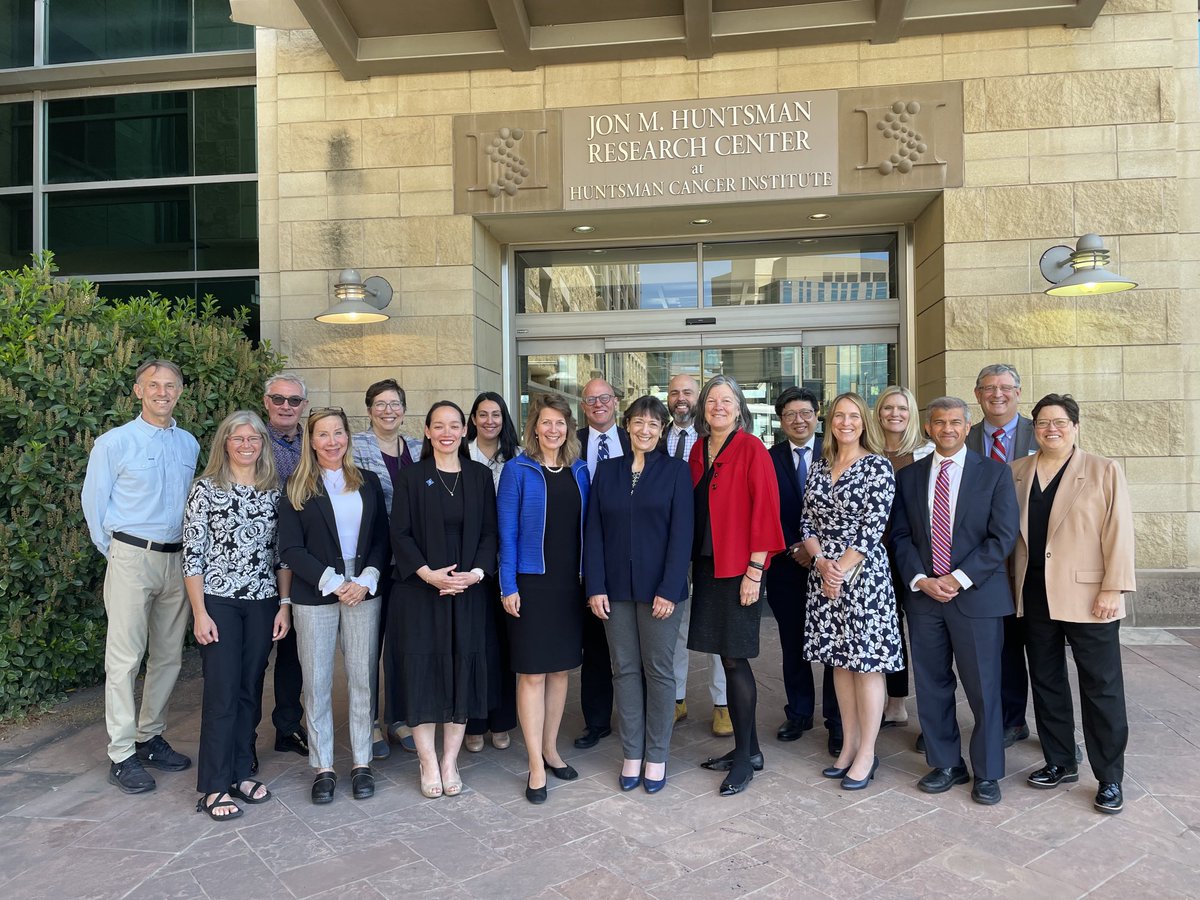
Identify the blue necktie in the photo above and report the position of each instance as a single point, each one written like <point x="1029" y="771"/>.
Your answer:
<point x="801" y="469"/>
<point x="602" y="453"/>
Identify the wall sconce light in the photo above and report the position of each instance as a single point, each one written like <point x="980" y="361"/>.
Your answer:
<point x="359" y="302"/>
<point x="1082" y="271"/>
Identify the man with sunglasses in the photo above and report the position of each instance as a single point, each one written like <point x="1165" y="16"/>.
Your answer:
<point x="286" y="400"/>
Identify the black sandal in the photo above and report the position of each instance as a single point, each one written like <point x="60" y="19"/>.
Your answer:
<point x="236" y="790"/>
<point x="218" y="803"/>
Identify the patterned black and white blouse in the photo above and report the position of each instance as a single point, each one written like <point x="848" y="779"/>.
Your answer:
<point x="230" y="537"/>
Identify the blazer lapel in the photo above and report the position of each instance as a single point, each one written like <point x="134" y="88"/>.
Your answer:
<point x="1024" y="484"/>
<point x="965" y="486"/>
<point x="325" y="505"/>
<point x="1069" y="489"/>
<point x="785" y="471"/>
<point x="367" y="522"/>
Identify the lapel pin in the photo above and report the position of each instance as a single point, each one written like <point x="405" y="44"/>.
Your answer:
<point x="429" y="482"/>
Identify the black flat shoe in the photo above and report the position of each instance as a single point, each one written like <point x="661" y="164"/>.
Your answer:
<point x="1053" y="776"/>
<point x="323" y="785"/>
<point x="535" y="795"/>
<point x="295" y="742"/>
<point x="938" y="781"/>
<point x="835" y="771"/>
<point x="1109" y="799"/>
<point x="562" y="773"/>
<point x="591" y="737"/>
<point x="249" y="797"/>
<point x="362" y="782"/>
<point x="986" y="791"/>
<point x="834" y="743"/>
<point x="857" y="784"/>
<point x="737" y="780"/>
<point x="1014" y="734"/>
<point x="919" y="746"/>
<point x="725" y="763"/>
<point x="792" y="729"/>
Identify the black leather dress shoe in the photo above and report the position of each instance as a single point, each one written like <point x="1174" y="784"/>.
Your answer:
<point x="834" y="744"/>
<point x="725" y="763"/>
<point x="1109" y="799"/>
<point x="1053" y="776"/>
<point x="986" y="791"/>
<point x="835" y="771"/>
<point x="938" y="781"/>
<point x="791" y="729"/>
<point x="1014" y="734"/>
<point x="362" y="782"/>
<point x="736" y="781"/>
<point x="591" y="737"/>
<point x="323" y="785"/>
<point x="857" y="784"/>
<point x="292" y="742"/>
<point x="919" y="746"/>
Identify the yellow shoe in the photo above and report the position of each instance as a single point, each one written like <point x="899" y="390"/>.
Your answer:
<point x="722" y="727"/>
<point x="680" y="710"/>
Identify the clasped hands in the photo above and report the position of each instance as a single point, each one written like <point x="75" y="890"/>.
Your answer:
<point x="351" y="593"/>
<point x="447" y="580"/>
<point x="943" y="588"/>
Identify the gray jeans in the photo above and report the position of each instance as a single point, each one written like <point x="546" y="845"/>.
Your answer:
<point x="639" y="644"/>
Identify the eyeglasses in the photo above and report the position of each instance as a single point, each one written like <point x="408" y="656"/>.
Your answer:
<point x="384" y="405"/>
<point x="239" y="440"/>
<point x="279" y="400"/>
<point x="326" y="411"/>
<point x="794" y="416"/>
<point x="1060" y="424"/>
<point x="599" y="399"/>
<point x="1005" y="389"/>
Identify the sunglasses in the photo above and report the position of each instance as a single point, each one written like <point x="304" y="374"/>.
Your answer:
<point x="279" y="400"/>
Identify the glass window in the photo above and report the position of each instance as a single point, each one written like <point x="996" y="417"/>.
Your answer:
<point x="811" y="270"/>
<point x="214" y="30"/>
<point x="230" y="294"/>
<point x="227" y="226"/>
<point x="16" y="34"/>
<point x="224" y="127"/>
<point x="82" y="30"/>
<point x="609" y="279"/>
<point x="16" y="230"/>
<point x="16" y="144"/>
<point x="139" y="230"/>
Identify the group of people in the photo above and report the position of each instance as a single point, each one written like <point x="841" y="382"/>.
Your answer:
<point x="476" y="574"/>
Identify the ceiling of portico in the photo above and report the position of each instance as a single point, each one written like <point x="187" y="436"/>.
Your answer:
<point x="390" y="37"/>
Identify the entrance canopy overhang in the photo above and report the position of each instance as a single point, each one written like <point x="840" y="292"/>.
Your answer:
<point x="396" y="37"/>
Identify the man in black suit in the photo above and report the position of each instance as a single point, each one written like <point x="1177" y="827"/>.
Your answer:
<point x="1006" y="436"/>
<point x="954" y="523"/>
<point x="600" y="439"/>
<point x="787" y="577"/>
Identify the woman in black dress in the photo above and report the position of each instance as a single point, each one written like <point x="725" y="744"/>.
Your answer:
<point x="541" y="504"/>
<point x="444" y="540"/>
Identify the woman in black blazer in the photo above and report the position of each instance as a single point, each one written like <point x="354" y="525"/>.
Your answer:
<point x="638" y="544"/>
<point x="333" y="536"/>
<point x="444" y="538"/>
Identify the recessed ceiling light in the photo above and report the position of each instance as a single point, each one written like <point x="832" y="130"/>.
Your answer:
<point x="817" y="217"/>
<point x="597" y="251"/>
<point x="807" y="240"/>
<point x="583" y="229"/>
<point x="701" y="221"/>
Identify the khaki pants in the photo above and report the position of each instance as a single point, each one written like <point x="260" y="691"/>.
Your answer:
<point x="147" y="614"/>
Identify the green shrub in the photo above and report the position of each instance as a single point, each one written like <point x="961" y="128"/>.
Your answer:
<point x="67" y="360"/>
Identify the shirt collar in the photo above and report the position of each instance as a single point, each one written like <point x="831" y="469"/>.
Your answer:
<point x="150" y="427"/>
<point x="289" y="438"/>
<point x="1008" y="428"/>
<point x="808" y="445"/>
<point x="960" y="458"/>
<point x="612" y="431"/>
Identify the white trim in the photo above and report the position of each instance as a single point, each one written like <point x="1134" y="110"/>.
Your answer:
<point x="134" y="183"/>
<point x="193" y="275"/>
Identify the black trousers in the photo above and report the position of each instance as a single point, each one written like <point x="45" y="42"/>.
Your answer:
<point x="1014" y="681"/>
<point x="787" y="601"/>
<point x="502" y="683"/>
<point x="595" y="678"/>
<point x="288" y="715"/>
<point x="234" y="667"/>
<point x="1097" y="651"/>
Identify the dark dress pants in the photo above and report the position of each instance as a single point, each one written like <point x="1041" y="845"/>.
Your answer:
<point x="1096" y="648"/>
<point x="595" y="678"/>
<point x="233" y="666"/>
<point x="939" y="639"/>
<point x="1014" y="680"/>
<point x="787" y="599"/>
<point x="289" y="682"/>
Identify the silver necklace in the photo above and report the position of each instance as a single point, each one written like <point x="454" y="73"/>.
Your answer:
<point x="449" y="490"/>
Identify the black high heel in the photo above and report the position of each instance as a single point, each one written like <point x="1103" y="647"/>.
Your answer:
<point x="857" y="784"/>
<point x="835" y="771"/>
<point x="562" y="773"/>
<point x="535" y="795"/>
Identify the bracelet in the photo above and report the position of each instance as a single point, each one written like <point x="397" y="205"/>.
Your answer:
<point x="756" y="565"/>
<point x="755" y="580"/>
<point x="285" y="601"/>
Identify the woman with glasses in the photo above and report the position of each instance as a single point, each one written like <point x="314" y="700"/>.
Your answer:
<point x="333" y="536"/>
<point x="229" y="571"/>
<point x="382" y="449"/>
<point x="1073" y="564"/>
<point x="492" y="441"/>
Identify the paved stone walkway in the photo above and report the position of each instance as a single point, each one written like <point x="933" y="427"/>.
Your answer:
<point x="66" y="833"/>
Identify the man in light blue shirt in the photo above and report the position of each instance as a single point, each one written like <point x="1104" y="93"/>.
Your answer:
<point x="137" y="481"/>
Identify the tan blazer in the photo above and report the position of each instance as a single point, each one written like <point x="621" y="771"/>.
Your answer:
<point x="1089" y="540"/>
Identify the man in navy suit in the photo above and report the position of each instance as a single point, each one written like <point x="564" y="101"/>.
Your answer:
<point x="787" y="577"/>
<point x="600" y="439"/>
<point x="954" y="523"/>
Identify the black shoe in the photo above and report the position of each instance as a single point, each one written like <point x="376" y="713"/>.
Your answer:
<point x="535" y="795"/>
<point x="919" y="746"/>
<point x="253" y="760"/>
<point x="562" y="773"/>
<point x="1109" y="799"/>
<point x="130" y="776"/>
<point x="1053" y="776"/>
<point x="1014" y="734"/>
<point x="835" y="771"/>
<point x="857" y="784"/>
<point x="834" y="744"/>
<point x="986" y="791"/>
<point x="323" y="785"/>
<point x="157" y="754"/>
<point x="791" y="729"/>
<point x="235" y="790"/>
<point x="362" y="782"/>
<point x="292" y="742"/>
<point x="938" y="781"/>
<point x="591" y="736"/>
<point x="737" y="780"/>
<point x="725" y="763"/>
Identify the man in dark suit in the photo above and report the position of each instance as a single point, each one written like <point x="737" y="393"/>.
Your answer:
<point x="600" y="439"/>
<point x="1006" y="436"/>
<point x="787" y="577"/>
<point x="954" y="523"/>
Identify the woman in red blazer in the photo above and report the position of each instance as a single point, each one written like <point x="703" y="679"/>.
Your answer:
<point x="737" y="532"/>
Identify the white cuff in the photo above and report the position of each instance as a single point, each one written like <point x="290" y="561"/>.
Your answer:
<point x="330" y="581"/>
<point x="368" y="578"/>
<point x="912" y="585"/>
<point x="961" y="577"/>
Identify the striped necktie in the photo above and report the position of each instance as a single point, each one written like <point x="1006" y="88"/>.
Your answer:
<point x="998" y="453"/>
<point x="940" y="525"/>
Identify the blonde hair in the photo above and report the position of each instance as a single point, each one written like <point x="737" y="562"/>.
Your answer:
<point x="569" y="452"/>
<point x="305" y="482"/>
<point x="913" y="438"/>
<point x="869" y="440"/>
<point x="218" y="470"/>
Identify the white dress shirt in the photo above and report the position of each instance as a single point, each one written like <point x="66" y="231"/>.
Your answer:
<point x="593" y="447"/>
<point x="957" y="461"/>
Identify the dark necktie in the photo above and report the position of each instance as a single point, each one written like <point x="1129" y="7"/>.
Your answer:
<point x="602" y="453"/>
<point x="998" y="453"/>
<point x="801" y="469"/>
<point x="679" y="442"/>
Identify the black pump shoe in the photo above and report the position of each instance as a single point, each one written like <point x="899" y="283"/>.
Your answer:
<point x="535" y="795"/>
<point x="562" y="773"/>
<point x="725" y="763"/>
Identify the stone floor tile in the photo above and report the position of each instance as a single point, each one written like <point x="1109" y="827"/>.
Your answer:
<point x="563" y="796"/>
<point x="925" y="881"/>
<point x="79" y="873"/>
<point x="1124" y="887"/>
<point x="1158" y="739"/>
<point x="178" y="886"/>
<point x="831" y="875"/>
<point x="515" y="841"/>
<point x="526" y="877"/>
<point x="894" y="851"/>
<point x="1084" y="862"/>
<point x="733" y="876"/>
<point x="873" y="811"/>
<point x="600" y="884"/>
<point x="1063" y="816"/>
<point x="965" y="829"/>
<point x="18" y="788"/>
<point x="285" y="843"/>
<point x="347" y="867"/>
<point x="640" y="822"/>
<point x="1164" y="775"/>
<point x="398" y="825"/>
<point x="412" y="878"/>
<point x="703" y="846"/>
<point x="357" y="890"/>
<point x="1007" y="879"/>
<point x="454" y="852"/>
<point x="787" y="888"/>
<point x="240" y="877"/>
<point x="35" y="843"/>
<point x="826" y="834"/>
<point x="631" y="861"/>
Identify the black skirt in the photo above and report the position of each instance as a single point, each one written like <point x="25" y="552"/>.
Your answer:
<point x="720" y="624"/>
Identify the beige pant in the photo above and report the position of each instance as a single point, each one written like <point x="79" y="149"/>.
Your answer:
<point x="147" y="614"/>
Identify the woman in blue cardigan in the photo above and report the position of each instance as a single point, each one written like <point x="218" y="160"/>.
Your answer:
<point x="540" y="505"/>
<point x="637" y="547"/>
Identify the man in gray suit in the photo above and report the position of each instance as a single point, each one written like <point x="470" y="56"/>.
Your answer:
<point x="1005" y="435"/>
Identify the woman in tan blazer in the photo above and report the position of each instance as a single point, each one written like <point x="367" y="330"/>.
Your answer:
<point x="1073" y="562"/>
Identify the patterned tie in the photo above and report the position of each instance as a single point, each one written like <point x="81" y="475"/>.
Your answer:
<point x="679" y="442"/>
<point x="998" y="453"/>
<point x="940" y="528"/>
<point x="801" y="469"/>
<point x="602" y="453"/>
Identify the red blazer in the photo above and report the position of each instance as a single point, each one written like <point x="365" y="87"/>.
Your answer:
<point x="743" y="504"/>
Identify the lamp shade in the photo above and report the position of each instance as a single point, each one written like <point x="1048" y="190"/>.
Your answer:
<point x="359" y="302"/>
<point x="1082" y="271"/>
